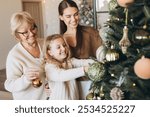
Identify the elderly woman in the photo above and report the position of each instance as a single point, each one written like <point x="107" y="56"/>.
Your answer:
<point x="25" y="64"/>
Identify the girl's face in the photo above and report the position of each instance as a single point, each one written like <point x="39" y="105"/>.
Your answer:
<point x="70" y="17"/>
<point x="58" y="49"/>
<point x="27" y="33"/>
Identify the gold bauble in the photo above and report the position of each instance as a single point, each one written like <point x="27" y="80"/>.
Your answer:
<point x="90" y="96"/>
<point x="112" y="55"/>
<point x="36" y="83"/>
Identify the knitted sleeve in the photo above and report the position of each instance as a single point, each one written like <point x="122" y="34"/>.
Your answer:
<point x="14" y="71"/>
<point x="81" y="62"/>
<point x="53" y="73"/>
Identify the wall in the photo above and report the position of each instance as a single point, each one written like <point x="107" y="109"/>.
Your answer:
<point x="51" y="16"/>
<point x="6" y="40"/>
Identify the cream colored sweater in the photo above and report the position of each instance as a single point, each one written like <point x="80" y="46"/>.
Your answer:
<point x="62" y="82"/>
<point x="18" y="61"/>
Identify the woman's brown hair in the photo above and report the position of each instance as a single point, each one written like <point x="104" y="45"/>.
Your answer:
<point x="62" y="6"/>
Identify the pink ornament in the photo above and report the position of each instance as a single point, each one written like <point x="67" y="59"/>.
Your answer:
<point x="125" y="3"/>
<point x="142" y="68"/>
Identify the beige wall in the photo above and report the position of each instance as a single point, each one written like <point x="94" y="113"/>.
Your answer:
<point x="6" y="40"/>
<point x="51" y="17"/>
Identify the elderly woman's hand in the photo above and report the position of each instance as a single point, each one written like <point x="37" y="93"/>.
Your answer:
<point x="32" y="73"/>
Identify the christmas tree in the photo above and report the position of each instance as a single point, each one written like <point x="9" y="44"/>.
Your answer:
<point x="125" y="72"/>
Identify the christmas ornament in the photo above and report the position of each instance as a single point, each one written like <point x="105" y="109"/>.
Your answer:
<point x="101" y="93"/>
<point x="112" y="54"/>
<point x="101" y="53"/>
<point x="36" y="83"/>
<point x="112" y="4"/>
<point x="141" y="37"/>
<point x="125" y="3"/>
<point x="90" y="96"/>
<point x="142" y="68"/>
<point x="124" y="42"/>
<point x="116" y="94"/>
<point x="96" y="71"/>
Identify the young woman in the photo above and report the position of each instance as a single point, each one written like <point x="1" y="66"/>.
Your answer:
<point x="61" y="70"/>
<point x="84" y="41"/>
<point x="24" y="63"/>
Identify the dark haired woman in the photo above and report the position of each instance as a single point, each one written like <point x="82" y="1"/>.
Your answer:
<point x="84" y="41"/>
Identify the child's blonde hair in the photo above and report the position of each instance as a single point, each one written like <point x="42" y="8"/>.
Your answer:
<point x="47" y="56"/>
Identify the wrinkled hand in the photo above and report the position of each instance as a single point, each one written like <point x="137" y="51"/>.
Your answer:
<point x="32" y="73"/>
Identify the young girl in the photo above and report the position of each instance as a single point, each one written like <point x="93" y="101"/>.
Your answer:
<point x="61" y="70"/>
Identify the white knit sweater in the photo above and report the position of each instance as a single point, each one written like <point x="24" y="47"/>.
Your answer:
<point x="62" y="82"/>
<point x="18" y="61"/>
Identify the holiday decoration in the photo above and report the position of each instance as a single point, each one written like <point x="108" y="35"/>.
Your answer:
<point x="36" y="83"/>
<point x="142" y="68"/>
<point x="96" y="94"/>
<point x="112" y="54"/>
<point x="112" y="4"/>
<point x="116" y="94"/>
<point x="101" y="53"/>
<point x="101" y="93"/>
<point x="90" y="96"/>
<point x="125" y="3"/>
<point x="96" y="71"/>
<point x="124" y="42"/>
<point x="141" y="37"/>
